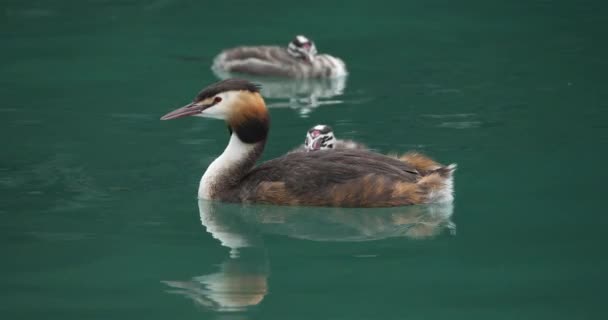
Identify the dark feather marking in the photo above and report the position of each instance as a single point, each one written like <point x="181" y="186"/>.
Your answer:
<point x="227" y="85"/>
<point x="253" y="130"/>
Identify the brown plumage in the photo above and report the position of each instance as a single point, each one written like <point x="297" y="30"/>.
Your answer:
<point x="419" y="161"/>
<point x="341" y="178"/>
<point x="247" y="107"/>
<point x="424" y="164"/>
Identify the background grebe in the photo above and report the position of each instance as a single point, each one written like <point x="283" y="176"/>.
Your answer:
<point x="298" y="60"/>
<point x="340" y="178"/>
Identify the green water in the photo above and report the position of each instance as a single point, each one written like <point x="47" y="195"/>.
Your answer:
<point x="99" y="217"/>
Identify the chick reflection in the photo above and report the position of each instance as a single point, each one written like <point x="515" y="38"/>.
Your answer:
<point x="302" y="94"/>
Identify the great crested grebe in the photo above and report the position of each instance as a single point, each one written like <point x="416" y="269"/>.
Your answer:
<point x="322" y="137"/>
<point x="339" y="178"/>
<point x="298" y="60"/>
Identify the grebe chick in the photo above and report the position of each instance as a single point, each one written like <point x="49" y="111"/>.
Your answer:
<point x="321" y="137"/>
<point x="338" y="178"/>
<point x="298" y="60"/>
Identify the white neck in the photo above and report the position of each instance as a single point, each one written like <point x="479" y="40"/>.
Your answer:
<point x="219" y="171"/>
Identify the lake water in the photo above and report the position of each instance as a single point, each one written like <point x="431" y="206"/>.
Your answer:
<point x="98" y="208"/>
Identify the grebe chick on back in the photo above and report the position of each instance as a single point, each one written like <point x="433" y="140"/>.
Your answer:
<point x="298" y="60"/>
<point x="339" y="178"/>
<point x="322" y="137"/>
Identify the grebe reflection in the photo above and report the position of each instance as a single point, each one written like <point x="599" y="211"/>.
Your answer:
<point x="241" y="281"/>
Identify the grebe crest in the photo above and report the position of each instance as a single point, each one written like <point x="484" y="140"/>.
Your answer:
<point x="319" y="137"/>
<point x="340" y="178"/>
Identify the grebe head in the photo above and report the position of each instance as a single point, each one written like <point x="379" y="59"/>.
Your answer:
<point x="236" y="101"/>
<point x="302" y="48"/>
<point x="319" y="137"/>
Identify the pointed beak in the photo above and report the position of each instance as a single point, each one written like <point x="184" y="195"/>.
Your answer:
<point x="187" y="110"/>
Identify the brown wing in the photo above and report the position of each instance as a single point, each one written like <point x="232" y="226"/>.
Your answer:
<point x="346" y="178"/>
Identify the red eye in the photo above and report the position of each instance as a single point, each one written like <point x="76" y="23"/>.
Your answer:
<point x="217" y="100"/>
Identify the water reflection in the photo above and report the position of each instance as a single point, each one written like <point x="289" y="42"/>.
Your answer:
<point x="242" y="279"/>
<point x="240" y="282"/>
<point x="303" y="95"/>
<point x="330" y="224"/>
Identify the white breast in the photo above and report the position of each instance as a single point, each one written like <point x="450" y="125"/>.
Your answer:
<point x="235" y="153"/>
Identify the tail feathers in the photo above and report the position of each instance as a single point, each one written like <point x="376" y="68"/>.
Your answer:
<point x="420" y="161"/>
<point x="445" y="172"/>
<point x="427" y="165"/>
<point x="438" y="186"/>
<point x="436" y="182"/>
<point x="432" y="182"/>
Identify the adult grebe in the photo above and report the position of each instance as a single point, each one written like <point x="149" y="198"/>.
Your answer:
<point x="339" y="178"/>
<point x="322" y="137"/>
<point x="298" y="60"/>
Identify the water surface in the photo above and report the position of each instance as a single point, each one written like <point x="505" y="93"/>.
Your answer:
<point x="98" y="208"/>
